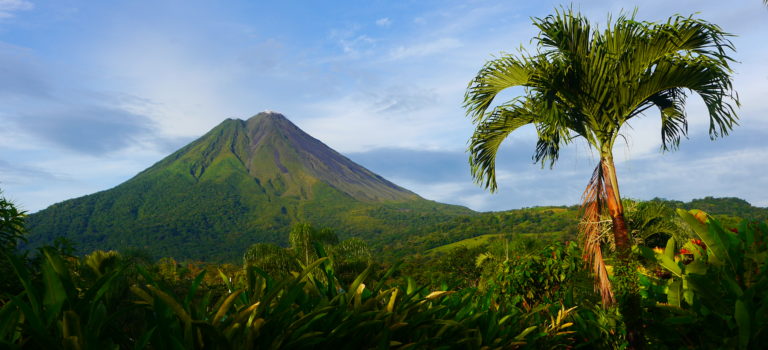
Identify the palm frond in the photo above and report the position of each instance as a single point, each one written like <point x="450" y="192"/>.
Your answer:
<point x="487" y="138"/>
<point x="497" y="75"/>
<point x="674" y="124"/>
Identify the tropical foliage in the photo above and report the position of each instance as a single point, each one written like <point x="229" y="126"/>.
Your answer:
<point x="715" y="287"/>
<point x="706" y="289"/>
<point x="92" y="302"/>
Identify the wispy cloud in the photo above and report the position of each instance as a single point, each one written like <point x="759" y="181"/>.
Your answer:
<point x="87" y="129"/>
<point x="8" y="8"/>
<point x="384" y="22"/>
<point x="22" y="73"/>
<point x="427" y="48"/>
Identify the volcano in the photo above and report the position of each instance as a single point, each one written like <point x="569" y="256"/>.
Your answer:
<point x="243" y="182"/>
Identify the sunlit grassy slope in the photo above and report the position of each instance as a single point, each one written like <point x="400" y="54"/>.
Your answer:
<point x="488" y="238"/>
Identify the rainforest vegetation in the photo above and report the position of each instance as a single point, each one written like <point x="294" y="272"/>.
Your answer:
<point x="702" y="285"/>
<point x="612" y="273"/>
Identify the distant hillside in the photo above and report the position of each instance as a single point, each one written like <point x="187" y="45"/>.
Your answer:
<point x="561" y="222"/>
<point x="242" y="182"/>
<point x="537" y="220"/>
<point x="730" y="206"/>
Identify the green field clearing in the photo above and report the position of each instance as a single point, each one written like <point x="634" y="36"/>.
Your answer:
<point x="485" y="239"/>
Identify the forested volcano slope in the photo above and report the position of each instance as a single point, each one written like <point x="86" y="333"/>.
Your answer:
<point x="245" y="181"/>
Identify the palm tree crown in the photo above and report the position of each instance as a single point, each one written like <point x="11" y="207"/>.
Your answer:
<point x="583" y="82"/>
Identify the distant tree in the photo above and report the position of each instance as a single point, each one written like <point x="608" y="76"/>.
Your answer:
<point x="303" y="237"/>
<point x="349" y="257"/>
<point x="271" y="258"/>
<point x="460" y="264"/>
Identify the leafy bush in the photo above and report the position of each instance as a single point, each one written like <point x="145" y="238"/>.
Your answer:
<point x="546" y="275"/>
<point x="715" y="290"/>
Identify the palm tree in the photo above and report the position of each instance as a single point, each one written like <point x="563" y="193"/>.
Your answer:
<point x="589" y="83"/>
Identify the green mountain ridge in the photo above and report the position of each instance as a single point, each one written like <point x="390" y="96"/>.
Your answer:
<point x="241" y="183"/>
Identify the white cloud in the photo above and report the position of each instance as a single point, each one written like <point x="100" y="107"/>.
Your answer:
<point x="9" y="7"/>
<point x="182" y="89"/>
<point x="384" y="22"/>
<point x="425" y="48"/>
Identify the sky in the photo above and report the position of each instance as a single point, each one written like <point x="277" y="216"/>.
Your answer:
<point x="93" y="92"/>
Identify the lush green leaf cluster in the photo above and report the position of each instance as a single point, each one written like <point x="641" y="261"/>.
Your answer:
<point x="714" y="287"/>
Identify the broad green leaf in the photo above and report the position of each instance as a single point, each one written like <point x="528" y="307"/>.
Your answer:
<point x="525" y="332"/>
<point x="743" y="322"/>
<point x="55" y="295"/>
<point x="193" y="288"/>
<point x="225" y="307"/>
<point x="674" y="291"/>
<point x="26" y="280"/>
<point x="172" y="303"/>
<point x="670" y="249"/>
<point x="697" y="267"/>
<point x="670" y="265"/>
<point x="718" y="251"/>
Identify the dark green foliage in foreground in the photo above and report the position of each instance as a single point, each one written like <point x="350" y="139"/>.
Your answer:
<point x="710" y="292"/>
<point x="74" y="304"/>
<point x="715" y="286"/>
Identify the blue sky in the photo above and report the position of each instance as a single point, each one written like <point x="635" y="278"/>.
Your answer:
<point x="92" y="92"/>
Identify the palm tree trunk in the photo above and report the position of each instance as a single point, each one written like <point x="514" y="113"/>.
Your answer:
<point x="615" y="208"/>
<point x="630" y="304"/>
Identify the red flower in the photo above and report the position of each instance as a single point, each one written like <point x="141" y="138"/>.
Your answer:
<point x="685" y="251"/>
<point x="699" y="243"/>
<point x="733" y="230"/>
